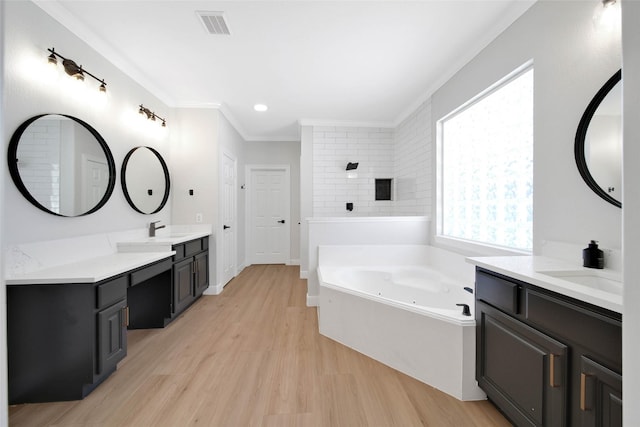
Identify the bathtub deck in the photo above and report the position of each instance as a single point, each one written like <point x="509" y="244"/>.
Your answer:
<point x="253" y="356"/>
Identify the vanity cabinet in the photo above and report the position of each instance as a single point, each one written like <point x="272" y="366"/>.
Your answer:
<point x="64" y="339"/>
<point x="546" y="359"/>
<point x="190" y="272"/>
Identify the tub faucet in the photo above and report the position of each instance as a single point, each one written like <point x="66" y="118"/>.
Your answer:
<point x="465" y="309"/>
<point x="153" y="228"/>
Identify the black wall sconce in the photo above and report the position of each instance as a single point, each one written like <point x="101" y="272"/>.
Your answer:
<point x="352" y="166"/>
<point x="151" y="115"/>
<point x="73" y="69"/>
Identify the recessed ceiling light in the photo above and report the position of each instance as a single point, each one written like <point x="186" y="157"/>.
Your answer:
<point x="260" y="107"/>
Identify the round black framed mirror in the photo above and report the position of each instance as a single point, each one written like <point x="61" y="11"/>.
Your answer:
<point x="145" y="180"/>
<point x="61" y="165"/>
<point x="598" y="144"/>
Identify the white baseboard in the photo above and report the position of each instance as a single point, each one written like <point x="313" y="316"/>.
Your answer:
<point x="293" y="262"/>
<point x="312" y="300"/>
<point x="213" y="290"/>
<point x="304" y="274"/>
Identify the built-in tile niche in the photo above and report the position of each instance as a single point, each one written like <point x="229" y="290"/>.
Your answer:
<point x="383" y="188"/>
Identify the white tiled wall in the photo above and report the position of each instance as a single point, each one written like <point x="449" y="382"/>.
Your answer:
<point x="412" y="163"/>
<point x="333" y="148"/>
<point x="403" y="154"/>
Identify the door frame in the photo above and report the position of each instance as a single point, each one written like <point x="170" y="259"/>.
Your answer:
<point x="249" y="169"/>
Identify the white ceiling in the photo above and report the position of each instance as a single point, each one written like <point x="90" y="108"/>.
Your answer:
<point x="356" y="62"/>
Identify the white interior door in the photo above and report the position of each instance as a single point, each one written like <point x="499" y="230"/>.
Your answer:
<point x="95" y="181"/>
<point x="269" y="226"/>
<point x="229" y="220"/>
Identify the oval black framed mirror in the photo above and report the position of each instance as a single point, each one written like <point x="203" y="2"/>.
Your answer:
<point x="145" y="180"/>
<point x="61" y="165"/>
<point x="598" y="145"/>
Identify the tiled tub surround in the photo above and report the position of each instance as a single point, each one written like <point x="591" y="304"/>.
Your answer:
<point x="427" y="339"/>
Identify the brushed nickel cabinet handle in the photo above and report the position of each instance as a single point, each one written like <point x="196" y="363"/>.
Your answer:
<point x="126" y="316"/>
<point x="552" y="370"/>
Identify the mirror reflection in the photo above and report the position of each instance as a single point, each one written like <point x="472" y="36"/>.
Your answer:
<point x="145" y="180"/>
<point x="603" y="143"/>
<point x="598" y="147"/>
<point x="61" y="165"/>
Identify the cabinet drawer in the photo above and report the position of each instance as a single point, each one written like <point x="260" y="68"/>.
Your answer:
<point x="193" y="247"/>
<point x="498" y="292"/>
<point x="111" y="291"/>
<point x="179" y="252"/>
<point x="149" y="271"/>
<point x="597" y="333"/>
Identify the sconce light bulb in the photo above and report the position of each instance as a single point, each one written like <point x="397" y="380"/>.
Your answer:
<point x="164" y="123"/>
<point x="607" y="3"/>
<point x="103" y="87"/>
<point x="52" y="60"/>
<point x="79" y="76"/>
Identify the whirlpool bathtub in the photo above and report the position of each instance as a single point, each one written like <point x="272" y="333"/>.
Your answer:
<point x="399" y="305"/>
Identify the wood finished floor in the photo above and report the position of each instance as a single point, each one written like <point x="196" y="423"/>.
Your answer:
<point x="253" y="356"/>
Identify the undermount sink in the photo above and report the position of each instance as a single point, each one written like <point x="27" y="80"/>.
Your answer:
<point x="171" y="235"/>
<point x="594" y="279"/>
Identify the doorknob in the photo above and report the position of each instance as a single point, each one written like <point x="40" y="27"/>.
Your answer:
<point x="281" y="221"/>
<point x="224" y="227"/>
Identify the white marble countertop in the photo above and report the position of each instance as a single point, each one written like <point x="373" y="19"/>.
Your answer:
<point x="89" y="270"/>
<point x="90" y="259"/>
<point x="161" y="242"/>
<point x="529" y="268"/>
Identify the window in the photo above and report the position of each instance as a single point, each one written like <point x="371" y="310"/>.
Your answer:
<point x="486" y="167"/>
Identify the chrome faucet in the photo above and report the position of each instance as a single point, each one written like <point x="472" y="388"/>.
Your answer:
<point x="153" y="228"/>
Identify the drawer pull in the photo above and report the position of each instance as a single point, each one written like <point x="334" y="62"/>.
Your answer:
<point x="552" y="370"/>
<point x="125" y="317"/>
<point x="583" y="391"/>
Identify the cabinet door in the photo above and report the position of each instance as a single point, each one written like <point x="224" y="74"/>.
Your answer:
<point x="201" y="266"/>
<point x="522" y="370"/>
<point x="600" y="395"/>
<point x="182" y="285"/>
<point x="112" y="336"/>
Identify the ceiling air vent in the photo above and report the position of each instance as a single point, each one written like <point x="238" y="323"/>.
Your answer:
<point x="214" y="23"/>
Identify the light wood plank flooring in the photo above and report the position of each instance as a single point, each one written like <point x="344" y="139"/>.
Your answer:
<point x="253" y="356"/>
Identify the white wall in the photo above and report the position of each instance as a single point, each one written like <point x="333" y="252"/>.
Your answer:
<point x="631" y="216"/>
<point x="281" y="153"/>
<point x="4" y="399"/>
<point x="194" y="166"/>
<point x="306" y="195"/>
<point x="572" y="59"/>
<point x="30" y="89"/>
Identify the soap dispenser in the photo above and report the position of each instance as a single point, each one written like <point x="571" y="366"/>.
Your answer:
<point x="592" y="256"/>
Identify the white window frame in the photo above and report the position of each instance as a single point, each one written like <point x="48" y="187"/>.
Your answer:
<point x="469" y="246"/>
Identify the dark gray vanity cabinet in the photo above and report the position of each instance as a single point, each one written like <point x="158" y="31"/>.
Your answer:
<point x="190" y="272"/>
<point x="64" y="339"/>
<point x="546" y="359"/>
